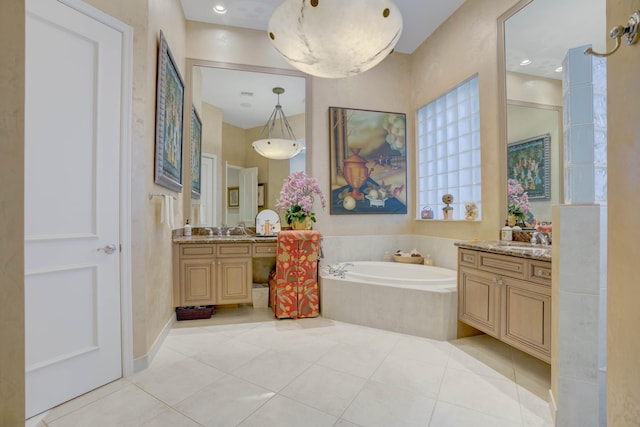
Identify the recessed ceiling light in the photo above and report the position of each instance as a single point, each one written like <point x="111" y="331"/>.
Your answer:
<point x="559" y="70"/>
<point x="525" y="62"/>
<point x="219" y="8"/>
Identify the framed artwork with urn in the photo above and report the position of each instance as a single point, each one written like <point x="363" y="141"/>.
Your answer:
<point x="368" y="162"/>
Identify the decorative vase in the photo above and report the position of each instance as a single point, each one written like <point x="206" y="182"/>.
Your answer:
<point x="305" y="224"/>
<point x="447" y="213"/>
<point x="355" y="173"/>
<point x="512" y="219"/>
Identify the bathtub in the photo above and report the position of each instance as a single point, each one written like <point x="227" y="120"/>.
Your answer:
<point x="407" y="298"/>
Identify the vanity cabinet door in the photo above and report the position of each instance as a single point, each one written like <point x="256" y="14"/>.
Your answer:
<point x="479" y="300"/>
<point x="234" y="280"/>
<point x="197" y="281"/>
<point x="527" y="317"/>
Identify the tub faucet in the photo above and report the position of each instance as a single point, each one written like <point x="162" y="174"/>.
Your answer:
<point x="340" y="269"/>
<point x="541" y="236"/>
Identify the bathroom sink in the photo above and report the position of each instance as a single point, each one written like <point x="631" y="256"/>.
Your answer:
<point x="524" y="247"/>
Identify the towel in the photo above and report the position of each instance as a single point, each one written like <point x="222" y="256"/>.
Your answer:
<point x="166" y="211"/>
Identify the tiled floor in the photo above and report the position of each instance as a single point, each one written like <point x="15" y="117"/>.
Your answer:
<point x="317" y="372"/>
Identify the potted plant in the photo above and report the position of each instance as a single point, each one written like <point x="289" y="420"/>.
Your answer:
<point x="296" y="200"/>
<point x="518" y="203"/>
<point x="447" y="211"/>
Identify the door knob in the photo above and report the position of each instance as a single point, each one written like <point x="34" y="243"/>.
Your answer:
<point x="109" y="249"/>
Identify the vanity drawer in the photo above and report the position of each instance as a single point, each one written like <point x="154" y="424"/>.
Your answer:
<point x="540" y="272"/>
<point x="264" y="249"/>
<point x="234" y="250"/>
<point x="504" y="265"/>
<point x="197" y="251"/>
<point x="468" y="258"/>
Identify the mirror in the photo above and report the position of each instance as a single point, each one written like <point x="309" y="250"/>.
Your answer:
<point x="542" y="31"/>
<point x="234" y="102"/>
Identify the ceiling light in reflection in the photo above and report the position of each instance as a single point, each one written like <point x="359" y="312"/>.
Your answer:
<point x="220" y="9"/>
<point x="525" y="62"/>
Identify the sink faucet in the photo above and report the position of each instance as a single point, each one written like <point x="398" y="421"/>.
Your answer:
<point x="541" y="236"/>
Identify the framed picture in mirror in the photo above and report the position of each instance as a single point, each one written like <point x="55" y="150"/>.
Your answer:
<point x="262" y="193"/>
<point x="169" y="107"/>
<point x="528" y="163"/>
<point x="233" y="197"/>
<point x="196" y="153"/>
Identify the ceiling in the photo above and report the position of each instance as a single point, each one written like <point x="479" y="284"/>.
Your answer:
<point x="545" y="29"/>
<point x="420" y="19"/>
<point x="542" y="32"/>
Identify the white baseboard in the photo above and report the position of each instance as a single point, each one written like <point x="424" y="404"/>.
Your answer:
<point x="142" y="363"/>
<point x="553" y="408"/>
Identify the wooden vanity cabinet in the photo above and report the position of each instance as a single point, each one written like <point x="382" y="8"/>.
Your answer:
<point x="507" y="297"/>
<point x="233" y="284"/>
<point x="212" y="274"/>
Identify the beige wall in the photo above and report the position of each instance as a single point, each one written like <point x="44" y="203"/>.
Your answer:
<point x="151" y="254"/>
<point x="463" y="46"/>
<point x="539" y="90"/>
<point x="623" y="345"/>
<point x="12" y="27"/>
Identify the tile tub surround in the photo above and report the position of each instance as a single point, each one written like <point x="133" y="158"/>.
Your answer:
<point x="426" y="312"/>
<point x="318" y="372"/>
<point x="338" y="249"/>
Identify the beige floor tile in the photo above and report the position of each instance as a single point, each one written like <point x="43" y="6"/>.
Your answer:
<point x="173" y="383"/>
<point x="381" y="405"/>
<point x="170" y="418"/>
<point x="238" y="369"/>
<point x="415" y="375"/>
<point x="325" y="389"/>
<point x="225" y="403"/>
<point x="492" y="396"/>
<point x="126" y="407"/>
<point x="483" y="355"/>
<point x="85" y="399"/>
<point x="284" y="412"/>
<point x="448" y="415"/>
<point x="272" y="370"/>
<point x="231" y="355"/>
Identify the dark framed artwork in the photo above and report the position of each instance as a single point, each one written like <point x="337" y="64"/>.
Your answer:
<point x="169" y="120"/>
<point x="368" y="162"/>
<point x="528" y="163"/>
<point x="262" y="194"/>
<point x="233" y="197"/>
<point x="196" y="153"/>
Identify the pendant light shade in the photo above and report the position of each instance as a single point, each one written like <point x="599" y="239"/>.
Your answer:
<point x="280" y="143"/>
<point x="335" y="38"/>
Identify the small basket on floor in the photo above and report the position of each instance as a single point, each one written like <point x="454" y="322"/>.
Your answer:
<point x="194" y="312"/>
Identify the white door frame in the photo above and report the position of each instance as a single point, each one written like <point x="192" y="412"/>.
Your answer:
<point x="125" y="176"/>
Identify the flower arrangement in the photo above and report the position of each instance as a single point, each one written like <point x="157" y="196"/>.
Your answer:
<point x="518" y="199"/>
<point x="297" y="196"/>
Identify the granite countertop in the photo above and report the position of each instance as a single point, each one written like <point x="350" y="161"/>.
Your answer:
<point x="518" y="249"/>
<point x="225" y="239"/>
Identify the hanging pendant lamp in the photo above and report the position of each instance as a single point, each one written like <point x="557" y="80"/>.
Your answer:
<point x="335" y="38"/>
<point x="280" y="142"/>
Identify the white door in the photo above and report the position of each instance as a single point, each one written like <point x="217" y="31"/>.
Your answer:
<point x="248" y="195"/>
<point x="72" y="265"/>
<point x="208" y="195"/>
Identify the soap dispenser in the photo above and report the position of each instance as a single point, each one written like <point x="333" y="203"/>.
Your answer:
<point x="506" y="233"/>
<point x="187" y="229"/>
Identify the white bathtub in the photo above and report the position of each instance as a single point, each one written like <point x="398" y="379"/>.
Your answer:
<point x="408" y="298"/>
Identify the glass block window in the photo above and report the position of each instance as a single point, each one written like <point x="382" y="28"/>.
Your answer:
<point x="449" y="151"/>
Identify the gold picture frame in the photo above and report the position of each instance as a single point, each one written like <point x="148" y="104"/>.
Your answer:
<point x="233" y="197"/>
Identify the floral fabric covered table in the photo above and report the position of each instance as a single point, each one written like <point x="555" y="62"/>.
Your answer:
<point x="294" y="289"/>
